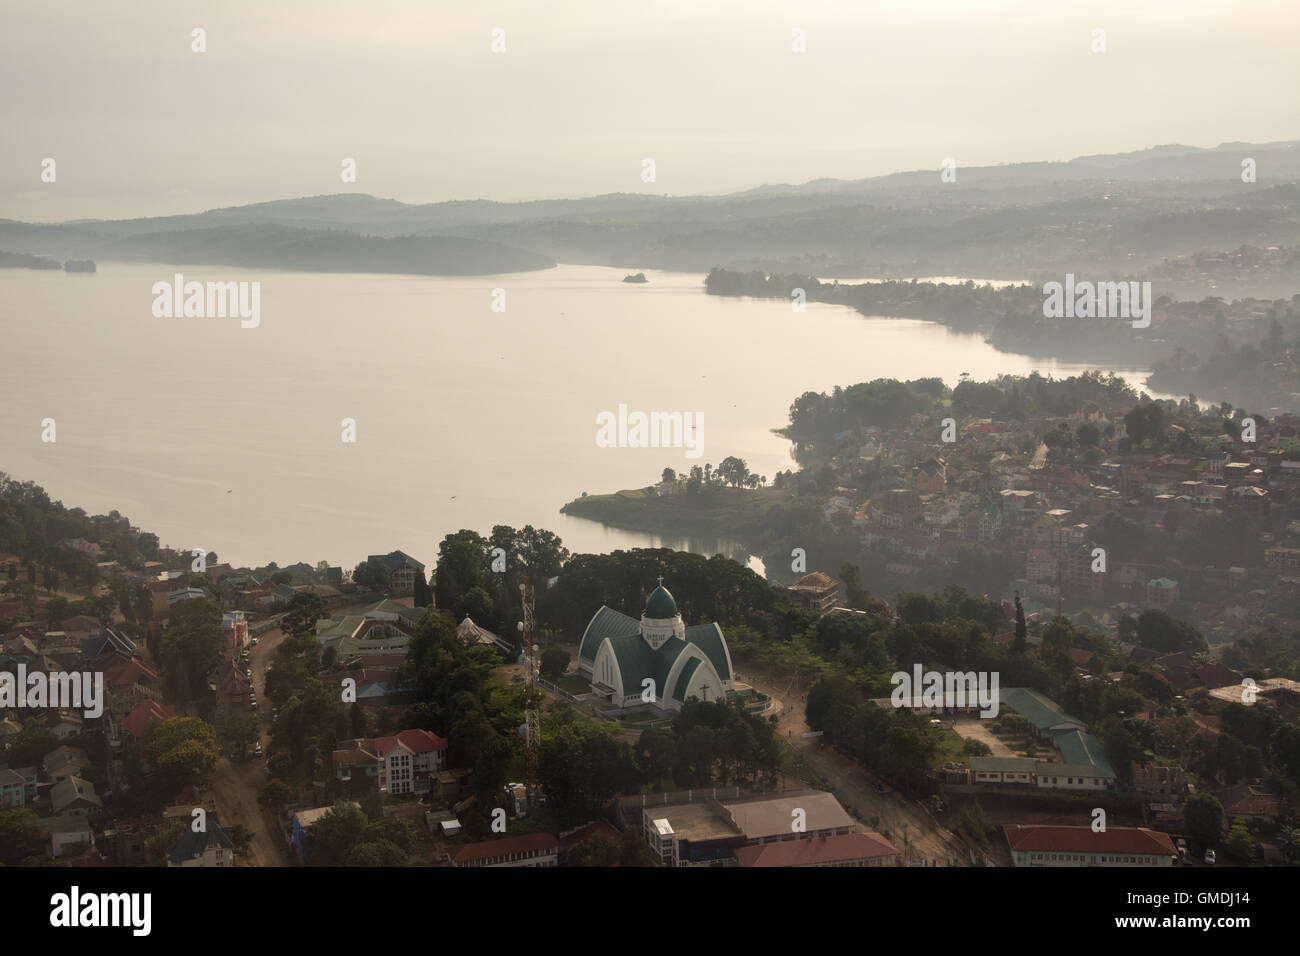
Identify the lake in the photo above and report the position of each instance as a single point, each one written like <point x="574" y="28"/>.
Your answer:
<point x="226" y="438"/>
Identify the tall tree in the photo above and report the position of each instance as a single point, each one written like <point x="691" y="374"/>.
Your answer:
<point x="1021" y="643"/>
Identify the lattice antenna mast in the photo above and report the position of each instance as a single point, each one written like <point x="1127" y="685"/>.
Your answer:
<point x="532" y="693"/>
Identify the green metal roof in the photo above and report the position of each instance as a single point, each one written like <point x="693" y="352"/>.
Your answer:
<point x="660" y="605"/>
<point x="192" y="844"/>
<point x="605" y="623"/>
<point x="707" y="639"/>
<point x="1036" y="708"/>
<point x="637" y="661"/>
<point x="1083" y="750"/>
<point x="684" y="679"/>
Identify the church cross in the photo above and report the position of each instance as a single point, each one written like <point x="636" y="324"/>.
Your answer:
<point x="661" y="580"/>
<point x="705" y="688"/>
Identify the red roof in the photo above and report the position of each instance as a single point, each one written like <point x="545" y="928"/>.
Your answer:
<point x="599" y="828"/>
<point x="416" y="741"/>
<point x="148" y="713"/>
<point x="529" y="842"/>
<point x="129" y="671"/>
<point x="1136" y="840"/>
<point x="1217" y="675"/>
<point x="811" y="851"/>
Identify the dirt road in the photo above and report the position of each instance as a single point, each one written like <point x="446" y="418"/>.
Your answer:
<point x="910" y="828"/>
<point x="237" y="785"/>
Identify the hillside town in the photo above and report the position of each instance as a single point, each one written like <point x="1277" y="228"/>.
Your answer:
<point x="1125" y="573"/>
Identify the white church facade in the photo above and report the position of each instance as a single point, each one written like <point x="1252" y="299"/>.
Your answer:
<point x="657" y="660"/>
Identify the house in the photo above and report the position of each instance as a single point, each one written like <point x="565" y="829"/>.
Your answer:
<point x="67" y="836"/>
<point x="74" y="795"/>
<point x="930" y="477"/>
<point x="1162" y="592"/>
<point x="13" y="790"/>
<point x="600" y="829"/>
<point x="817" y="591"/>
<point x="1004" y="770"/>
<point x="384" y="626"/>
<point x="1251" y="802"/>
<point x="230" y="686"/>
<point x="234" y="625"/>
<point x="142" y="719"/>
<point x="471" y="633"/>
<point x="845" y="849"/>
<point x="106" y="641"/>
<point x="303" y="820"/>
<point x="1083" y="846"/>
<point x="408" y="762"/>
<point x="1155" y="780"/>
<point x="897" y="508"/>
<point x="185" y="594"/>
<point x="209" y="847"/>
<point x="530" y="849"/>
<point x="402" y="569"/>
<point x="65" y="761"/>
<point x="707" y="830"/>
<point x="63" y="723"/>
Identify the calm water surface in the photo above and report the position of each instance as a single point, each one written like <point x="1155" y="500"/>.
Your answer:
<point x="226" y="438"/>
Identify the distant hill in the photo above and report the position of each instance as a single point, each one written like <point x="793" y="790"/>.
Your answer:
<point x="271" y="246"/>
<point x="1129" y="212"/>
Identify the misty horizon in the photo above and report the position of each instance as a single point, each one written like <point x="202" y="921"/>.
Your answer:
<point x="279" y="96"/>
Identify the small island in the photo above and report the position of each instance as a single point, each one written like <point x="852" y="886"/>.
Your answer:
<point x="79" y="265"/>
<point x="638" y="277"/>
<point x="21" y="260"/>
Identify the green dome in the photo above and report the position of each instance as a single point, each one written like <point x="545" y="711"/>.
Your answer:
<point x="660" y="605"/>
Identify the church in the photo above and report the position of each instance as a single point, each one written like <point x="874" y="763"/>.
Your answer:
<point x="657" y="660"/>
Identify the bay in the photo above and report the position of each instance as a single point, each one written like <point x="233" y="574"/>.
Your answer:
<point x="229" y="439"/>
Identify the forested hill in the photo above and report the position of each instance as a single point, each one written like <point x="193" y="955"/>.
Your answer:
<point x="1133" y="211"/>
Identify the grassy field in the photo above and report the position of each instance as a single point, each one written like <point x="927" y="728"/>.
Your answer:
<point x="572" y="683"/>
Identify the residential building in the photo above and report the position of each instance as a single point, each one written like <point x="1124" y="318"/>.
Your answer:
<point x="1083" y="846"/>
<point x="816" y="591"/>
<point x="67" y="835"/>
<point x="209" y="847"/>
<point x="402" y="569"/>
<point x="530" y="849"/>
<point x="705" y="830"/>
<point x="845" y="849"/>
<point x="74" y="795"/>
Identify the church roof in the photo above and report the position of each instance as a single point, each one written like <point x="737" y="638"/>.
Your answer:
<point x="637" y="660"/>
<point x="660" y="605"/>
<point x="684" y="679"/>
<point x="708" y="639"/>
<point x="605" y="623"/>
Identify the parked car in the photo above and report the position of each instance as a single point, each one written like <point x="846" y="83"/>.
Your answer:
<point x="257" y="750"/>
<point x="1209" y="858"/>
<point x="253" y="641"/>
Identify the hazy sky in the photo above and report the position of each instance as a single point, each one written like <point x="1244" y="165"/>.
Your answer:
<point x="140" y="125"/>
